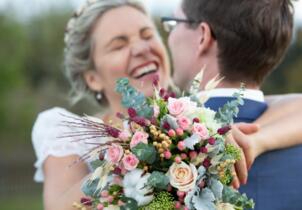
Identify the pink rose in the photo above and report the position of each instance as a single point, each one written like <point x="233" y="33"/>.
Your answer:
<point x="124" y="135"/>
<point x="183" y="122"/>
<point x="114" y="153"/>
<point x="130" y="162"/>
<point x="176" y="106"/>
<point x="139" y="137"/>
<point x="201" y="130"/>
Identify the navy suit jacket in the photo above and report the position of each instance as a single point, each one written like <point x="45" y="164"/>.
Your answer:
<point x="275" y="179"/>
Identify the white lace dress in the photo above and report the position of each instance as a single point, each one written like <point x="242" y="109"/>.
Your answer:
<point x="46" y="130"/>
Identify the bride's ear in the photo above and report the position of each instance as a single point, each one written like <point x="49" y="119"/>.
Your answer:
<point x="205" y="38"/>
<point x="93" y="80"/>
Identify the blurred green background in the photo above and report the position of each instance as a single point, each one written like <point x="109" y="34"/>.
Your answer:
<point x="32" y="80"/>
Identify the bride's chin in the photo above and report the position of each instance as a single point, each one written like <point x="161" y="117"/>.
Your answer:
<point x="146" y="89"/>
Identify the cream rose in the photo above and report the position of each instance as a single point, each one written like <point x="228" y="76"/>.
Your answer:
<point x="182" y="176"/>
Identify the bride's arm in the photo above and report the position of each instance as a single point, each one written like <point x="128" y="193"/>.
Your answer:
<point x="62" y="185"/>
<point x="280" y="127"/>
<point x="281" y="107"/>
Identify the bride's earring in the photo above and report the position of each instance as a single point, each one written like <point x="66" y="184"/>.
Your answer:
<point x="98" y="96"/>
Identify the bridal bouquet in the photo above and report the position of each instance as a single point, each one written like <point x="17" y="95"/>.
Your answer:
<point x="171" y="153"/>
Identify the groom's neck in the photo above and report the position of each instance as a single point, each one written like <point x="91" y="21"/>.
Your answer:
<point x="226" y="84"/>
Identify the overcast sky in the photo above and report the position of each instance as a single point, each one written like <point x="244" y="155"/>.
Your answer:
<point x="28" y="7"/>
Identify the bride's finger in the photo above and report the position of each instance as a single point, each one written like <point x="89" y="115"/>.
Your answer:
<point x="235" y="181"/>
<point x="247" y="128"/>
<point x="240" y="165"/>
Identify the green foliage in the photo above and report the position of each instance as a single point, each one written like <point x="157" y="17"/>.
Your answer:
<point x="115" y="189"/>
<point x="89" y="188"/>
<point x="162" y="200"/>
<point x="229" y="195"/>
<point x="145" y="152"/>
<point x="233" y="151"/>
<point x="230" y="110"/>
<point x="129" y="204"/>
<point x="227" y="177"/>
<point x="131" y="98"/>
<point x="96" y="163"/>
<point x="158" y="180"/>
<point x="163" y="109"/>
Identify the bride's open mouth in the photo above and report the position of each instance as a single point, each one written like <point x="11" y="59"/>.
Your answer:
<point x="146" y="70"/>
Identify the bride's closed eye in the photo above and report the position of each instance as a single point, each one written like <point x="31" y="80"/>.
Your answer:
<point x="147" y="33"/>
<point x="118" y="43"/>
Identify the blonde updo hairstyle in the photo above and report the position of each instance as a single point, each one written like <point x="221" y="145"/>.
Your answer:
<point x="78" y="42"/>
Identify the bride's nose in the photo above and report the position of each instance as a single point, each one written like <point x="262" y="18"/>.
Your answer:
<point x="140" y="48"/>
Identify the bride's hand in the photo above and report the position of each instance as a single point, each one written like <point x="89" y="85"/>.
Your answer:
<point x="242" y="136"/>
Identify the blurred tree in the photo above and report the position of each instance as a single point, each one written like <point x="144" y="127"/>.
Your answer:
<point x="45" y="53"/>
<point x="12" y="52"/>
<point x="286" y="78"/>
<point x="13" y="42"/>
<point x="294" y="78"/>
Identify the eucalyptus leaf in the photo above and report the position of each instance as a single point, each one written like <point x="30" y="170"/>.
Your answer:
<point x="89" y="188"/>
<point x="96" y="163"/>
<point x="130" y="204"/>
<point x="205" y="200"/>
<point x="232" y="196"/>
<point x="145" y="152"/>
<point x="230" y="110"/>
<point x="158" y="180"/>
<point x="133" y="98"/>
<point x="216" y="187"/>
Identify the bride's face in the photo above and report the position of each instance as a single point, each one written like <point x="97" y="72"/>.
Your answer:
<point x="126" y="44"/>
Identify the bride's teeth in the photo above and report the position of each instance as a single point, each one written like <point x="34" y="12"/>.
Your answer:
<point x="144" y="70"/>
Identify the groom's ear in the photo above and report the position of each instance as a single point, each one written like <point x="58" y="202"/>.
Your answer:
<point x="93" y="80"/>
<point x="205" y="38"/>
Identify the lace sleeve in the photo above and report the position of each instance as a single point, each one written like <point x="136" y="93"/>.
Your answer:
<point x="45" y="133"/>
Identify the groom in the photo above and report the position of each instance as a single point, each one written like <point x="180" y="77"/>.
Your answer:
<point x="243" y="41"/>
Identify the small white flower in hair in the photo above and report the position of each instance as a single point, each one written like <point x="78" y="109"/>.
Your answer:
<point x="80" y="10"/>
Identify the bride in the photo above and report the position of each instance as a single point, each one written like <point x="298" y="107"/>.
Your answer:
<point x="105" y="40"/>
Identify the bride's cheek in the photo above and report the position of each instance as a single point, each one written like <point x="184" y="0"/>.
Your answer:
<point x="120" y="63"/>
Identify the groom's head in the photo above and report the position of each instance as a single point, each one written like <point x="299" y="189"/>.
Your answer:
<point x="243" y="40"/>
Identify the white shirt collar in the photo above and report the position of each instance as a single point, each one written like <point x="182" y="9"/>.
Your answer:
<point x="252" y="94"/>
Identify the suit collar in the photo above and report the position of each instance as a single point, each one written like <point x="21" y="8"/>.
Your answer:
<point x="252" y="94"/>
<point x="249" y="112"/>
